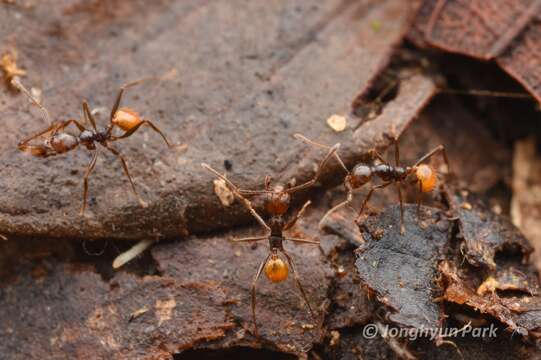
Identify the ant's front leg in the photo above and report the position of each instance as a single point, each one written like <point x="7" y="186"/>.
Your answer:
<point x="298" y="282"/>
<point x="368" y="196"/>
<point x="89" y="170"/>
<point x="292" y="222"/>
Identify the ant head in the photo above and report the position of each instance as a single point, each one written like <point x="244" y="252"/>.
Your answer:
<point x="277" y="202"/>
<point x="63" y="142"/>
<point x="360" y="175"/>
<point x="276" y="269"/>
<point x="426" y="177"/>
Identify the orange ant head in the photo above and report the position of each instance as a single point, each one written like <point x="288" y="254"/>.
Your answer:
<point x="126" y="119"/>
<point x="277" y="202"/>
<point x="360" y="175"/>
<point x="276" y="269"/>
<point x="426" y="176"/>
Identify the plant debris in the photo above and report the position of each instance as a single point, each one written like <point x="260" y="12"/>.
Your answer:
<point x="8" y="64"/>
<point x="400" y="269"/>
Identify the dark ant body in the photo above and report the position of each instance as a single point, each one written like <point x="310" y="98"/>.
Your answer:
<point x="424" y="175"/>
<point x="277" y="200"/>
<point x="58" y="141"/>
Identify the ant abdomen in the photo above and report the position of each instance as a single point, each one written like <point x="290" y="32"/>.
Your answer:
<point x="276" y="269"/>
<point x="126" y="119"/>
<point x="427" y="177"/>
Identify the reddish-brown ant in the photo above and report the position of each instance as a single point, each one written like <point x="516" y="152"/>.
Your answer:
<point x="363" y="173"/>
<point x="276" y="200"/>
<point x="57" y="141"/>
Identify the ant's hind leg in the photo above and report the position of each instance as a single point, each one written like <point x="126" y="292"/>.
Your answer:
<point x="154" y="127"/>
<point x="121" y="92"/>
<point x="367" y="198"/>
<point x="89" y="170"/>
<point x="439" y="148"/>
<point x="419" y="198"/>
<point x="402" y="228"/>
<point x="252" y="291"/>
<point x="127" y="172"/>
<point x="298" y="282"/>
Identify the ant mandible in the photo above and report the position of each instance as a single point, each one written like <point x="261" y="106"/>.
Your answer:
<point x="58" y="141"/>
<point x="276" y="201"/>
<point x="424" y="175"/>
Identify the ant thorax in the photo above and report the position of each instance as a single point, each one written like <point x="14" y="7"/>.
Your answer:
<point x="276" y="224"/>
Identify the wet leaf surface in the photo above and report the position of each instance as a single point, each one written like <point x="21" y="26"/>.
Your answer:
<point x="241" y="96"/>
<point x="400" y="269"/>
<point x="485" y="233"/>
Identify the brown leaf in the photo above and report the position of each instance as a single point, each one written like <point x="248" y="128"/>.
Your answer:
<point x="233" y="98"/>
<point x="400" y="269"/>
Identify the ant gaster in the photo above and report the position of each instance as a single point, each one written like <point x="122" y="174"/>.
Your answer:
<point x="362" y="173"/>
<point x="57" y="141"/>
<point x="276" y="201"/>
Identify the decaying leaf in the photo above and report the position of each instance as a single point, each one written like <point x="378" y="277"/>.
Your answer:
<point x="8" y="64"/>
<point x="400" y="269"/>
<point x="300" y="61"/>
<point x="520" y="313"/>
<point x="337" y="122"/>
<point x="508" y="31"/>
<point x="221" y="190"/>
<point x="485" y="233"/>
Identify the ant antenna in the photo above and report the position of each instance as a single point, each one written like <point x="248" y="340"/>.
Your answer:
<point x="16" y="83"/>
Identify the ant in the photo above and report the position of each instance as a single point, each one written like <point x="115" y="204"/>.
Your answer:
<point x="276" y="201"/>
<point x="424" y="175"/>
<point x="58" y="141"/>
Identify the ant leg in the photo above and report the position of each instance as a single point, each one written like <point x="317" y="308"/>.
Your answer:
<point x="252" y="291"/>
<point x="307" y="241"/>
<point x="233" y="187"/>
<point x="336" y="207"/>
<point x="402" y="228"/>
<point x="298" y="282"/>
<point x="268" y="180"/>
<point x="88" y="115"/>
<point x="251" y="238"/>
<point x="316" y="144"/>
<point x="66" y="123"/>
<point x="120" y="93"/>
<point x="16" y="83"/>
<point x="235" y="190"/>
<point x="39" y="150"/>
<point x="320" y="168"/>
<point x="368" y="196"/>
<point x="89" y="170"/>
<point x="154" y="127"/>
<point x="396" y="152"/>
<point x="127" y="172"/>
<point x="374" y="154"/>
<point x="292" y="222"/>
<point x="439" y="148"/>
<point x="419" y="198"/>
